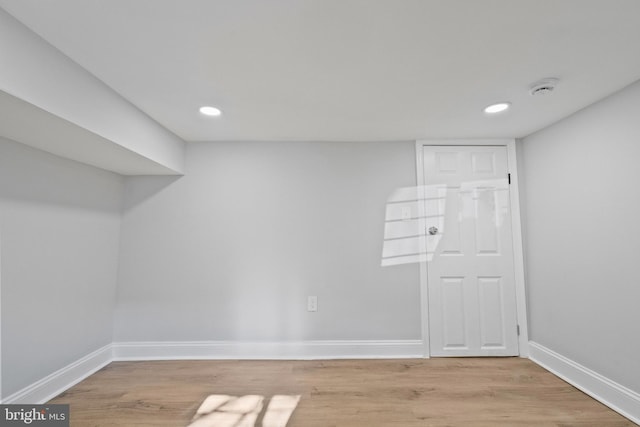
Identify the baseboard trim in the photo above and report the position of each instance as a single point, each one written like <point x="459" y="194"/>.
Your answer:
<point x="52" y="385"/>
<point x="617" y="397"/>
<point x="303" y="350"/>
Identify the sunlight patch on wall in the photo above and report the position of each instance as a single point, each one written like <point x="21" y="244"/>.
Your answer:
<point x="424" y="221"/>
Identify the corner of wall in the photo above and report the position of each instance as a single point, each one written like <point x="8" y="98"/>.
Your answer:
<point x="617" y="397"/>
<point x="57" y="382"/>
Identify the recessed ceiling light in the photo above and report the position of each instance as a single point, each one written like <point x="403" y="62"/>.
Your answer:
<point x="210" y="111"/>
<point x="497" y="108"/>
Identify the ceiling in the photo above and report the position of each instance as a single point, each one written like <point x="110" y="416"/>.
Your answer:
<point x="341" y="70"/>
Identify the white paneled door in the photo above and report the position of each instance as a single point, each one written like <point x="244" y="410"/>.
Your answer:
<point x="470" y="272"/>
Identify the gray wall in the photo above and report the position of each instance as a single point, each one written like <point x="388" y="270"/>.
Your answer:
<point x="59" y="231"/>
<point x="231" y="250"/>
<point x="582" y="236"/>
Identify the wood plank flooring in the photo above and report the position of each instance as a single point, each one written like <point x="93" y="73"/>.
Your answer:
<point x="341" y="393"/>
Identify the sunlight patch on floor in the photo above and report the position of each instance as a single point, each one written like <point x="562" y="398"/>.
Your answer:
<point x="219" y="410"/>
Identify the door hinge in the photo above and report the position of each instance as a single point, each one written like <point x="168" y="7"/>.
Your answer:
<point x="518" y="329"/>
<point x="509" y="178"/>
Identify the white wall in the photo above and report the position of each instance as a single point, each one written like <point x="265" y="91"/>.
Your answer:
<point x="59" y="225"/>
<point x="582" y="231"/>
<point x="231" y="250"/>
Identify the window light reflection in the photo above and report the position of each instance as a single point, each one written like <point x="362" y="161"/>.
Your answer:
<point x="229" y="411"/>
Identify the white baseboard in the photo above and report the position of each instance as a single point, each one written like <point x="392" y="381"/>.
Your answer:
<point x="52" y="385"/>
<point x="619" y="398"/>
<point x="364" y="349"/>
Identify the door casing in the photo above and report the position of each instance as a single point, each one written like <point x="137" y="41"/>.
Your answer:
<point x="518" y="253"/>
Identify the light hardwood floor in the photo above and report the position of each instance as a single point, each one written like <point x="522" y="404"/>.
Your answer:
<point x="341" y="393"/>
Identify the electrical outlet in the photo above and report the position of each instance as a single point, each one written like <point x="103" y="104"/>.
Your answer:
<point x="312" y="303"/>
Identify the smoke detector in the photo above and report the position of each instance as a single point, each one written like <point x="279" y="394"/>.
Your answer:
<point x="543" y="87"/>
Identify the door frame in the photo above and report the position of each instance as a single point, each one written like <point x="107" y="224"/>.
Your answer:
<point x="516" y="225"/>
<point x="1" y="400"/>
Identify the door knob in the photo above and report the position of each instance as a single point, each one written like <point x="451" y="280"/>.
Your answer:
<point x="433" y="231"/>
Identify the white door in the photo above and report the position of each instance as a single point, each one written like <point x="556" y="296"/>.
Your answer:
<point x="470" y="273"/>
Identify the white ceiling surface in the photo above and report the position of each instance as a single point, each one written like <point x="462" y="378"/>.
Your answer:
<point x="347" y="69"/>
